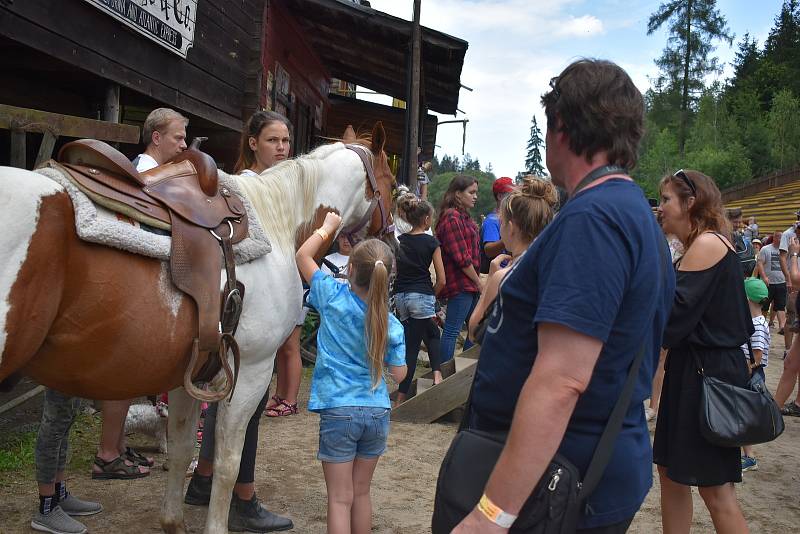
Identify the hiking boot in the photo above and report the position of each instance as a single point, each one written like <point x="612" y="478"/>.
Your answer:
<point x="791" y="409"/>
<point x="251" y="516"/>
<point x="57" y="522"/>
<point x="77" y="507"/>
<point x="199" y="491"/>
<point x="749" y="464"/>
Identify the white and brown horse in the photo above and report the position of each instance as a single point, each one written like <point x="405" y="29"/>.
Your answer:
<point x="99" y="323"/>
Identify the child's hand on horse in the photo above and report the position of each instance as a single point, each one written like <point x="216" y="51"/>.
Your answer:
<point x="332" y="222"/>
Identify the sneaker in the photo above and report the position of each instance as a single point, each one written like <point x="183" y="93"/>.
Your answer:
<point x="57" y="522"/>
<point x="251" y="516"/>
<point x="749" y="464"/>
<point x="199" y="491"/>
<point x="78" y="507"/>
<point x="791" y="409"/>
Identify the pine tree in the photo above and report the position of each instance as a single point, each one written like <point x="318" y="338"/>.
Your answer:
<point x="693" y="25"/>
<point x="533" y="158"/>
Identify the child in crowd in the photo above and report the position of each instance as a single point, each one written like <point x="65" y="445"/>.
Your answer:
<point x="356" y="338"/>
<point x="335" y="264"/>
<point x="523" y="215"/>
<point x="415" y="296"/>
<point x="757" y="292"/>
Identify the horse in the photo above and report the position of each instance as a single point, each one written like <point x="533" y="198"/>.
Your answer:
<point x="96" y="322"/>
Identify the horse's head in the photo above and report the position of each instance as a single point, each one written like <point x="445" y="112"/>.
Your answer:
<point x="380" y="182"/>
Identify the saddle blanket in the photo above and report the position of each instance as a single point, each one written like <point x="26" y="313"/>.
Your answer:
<point x="97" y="224"/>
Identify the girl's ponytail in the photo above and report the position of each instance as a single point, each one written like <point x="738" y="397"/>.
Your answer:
<point x="376" y="325"/>
<point x="370" y="266"/>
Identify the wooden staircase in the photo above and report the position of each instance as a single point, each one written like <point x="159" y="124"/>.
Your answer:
<point x="773" y="208"/>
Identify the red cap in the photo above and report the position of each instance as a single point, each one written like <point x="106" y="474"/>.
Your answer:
<point x="502" y="185"/>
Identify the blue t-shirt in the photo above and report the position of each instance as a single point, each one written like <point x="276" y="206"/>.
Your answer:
<point x="341" y="375"/>
<point x="490" y="231"/>
<point x="597" y="270"/>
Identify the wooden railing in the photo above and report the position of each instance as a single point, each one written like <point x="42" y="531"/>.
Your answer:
<point x="774" y="179"/>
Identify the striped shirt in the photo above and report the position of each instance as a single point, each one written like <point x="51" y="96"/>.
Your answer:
<point x="759" y="340"/>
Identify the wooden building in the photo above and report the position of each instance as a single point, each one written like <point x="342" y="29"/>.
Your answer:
<point x="216" y="61"/>
<point x="118" y="59"/>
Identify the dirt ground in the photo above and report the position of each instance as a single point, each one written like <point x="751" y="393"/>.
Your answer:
<point x="289" y="479"/>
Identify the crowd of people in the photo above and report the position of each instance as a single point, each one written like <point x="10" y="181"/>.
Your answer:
<point x="571" y="294"/>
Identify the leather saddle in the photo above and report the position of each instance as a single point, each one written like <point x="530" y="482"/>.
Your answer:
<point x="182" y="196"/>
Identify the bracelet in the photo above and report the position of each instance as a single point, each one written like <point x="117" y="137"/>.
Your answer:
<point x="494" y="513"/>
<point x="794" y="254"/>
<point x="322" y="233"/>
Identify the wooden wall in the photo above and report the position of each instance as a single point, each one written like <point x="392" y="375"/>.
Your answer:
<point x="285" y="43"/>
<point x="215" y="82"/>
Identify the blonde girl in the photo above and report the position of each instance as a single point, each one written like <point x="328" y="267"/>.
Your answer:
<point x="357" y="339"/>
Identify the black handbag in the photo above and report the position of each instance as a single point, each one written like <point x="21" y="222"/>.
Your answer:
<point x="554" y="506"/>
<point x="733" y="416"/>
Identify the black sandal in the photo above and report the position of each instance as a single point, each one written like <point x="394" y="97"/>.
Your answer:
<point x="137" y="458"/>
<point x="116" y="469"/>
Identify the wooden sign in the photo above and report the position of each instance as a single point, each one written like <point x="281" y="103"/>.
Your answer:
<point x="170" y="23"/>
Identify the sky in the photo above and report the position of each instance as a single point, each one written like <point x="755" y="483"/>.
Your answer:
<point x="516" y="46"/>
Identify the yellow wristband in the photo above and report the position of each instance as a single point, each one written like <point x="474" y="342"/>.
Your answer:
<point x="494" y="513"/>
<point x="322" y="233"/>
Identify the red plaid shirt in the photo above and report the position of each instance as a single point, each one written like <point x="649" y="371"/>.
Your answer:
<point x="458" y="236"/>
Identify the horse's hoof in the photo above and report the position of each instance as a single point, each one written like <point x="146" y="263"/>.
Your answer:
<point x="173" y="528"/>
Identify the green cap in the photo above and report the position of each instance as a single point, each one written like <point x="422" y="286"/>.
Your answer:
<point x="756" y="289"/>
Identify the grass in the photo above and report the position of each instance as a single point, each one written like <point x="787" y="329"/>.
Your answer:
<point x="17" y="450"/>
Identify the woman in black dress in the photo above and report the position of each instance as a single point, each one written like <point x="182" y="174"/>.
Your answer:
<point x="710" y="321"/>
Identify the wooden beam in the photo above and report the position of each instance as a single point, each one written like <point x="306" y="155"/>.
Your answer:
<point x="32" y="120"/>
<point x="18" y="149"/>
<point x="413" y="100"/>
<point x="45" y="149"/>
<point x="438" y="401"/>
<point x="111" y="104"/>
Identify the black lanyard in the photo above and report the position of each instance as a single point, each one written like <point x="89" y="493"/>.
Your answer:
<point x="600" y="172"/>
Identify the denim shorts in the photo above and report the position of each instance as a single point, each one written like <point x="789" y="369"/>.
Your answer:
<point x="414" y="305"/>
<point x="352" y="432"/>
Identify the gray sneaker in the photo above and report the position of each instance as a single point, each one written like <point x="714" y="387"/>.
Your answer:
<point x="57" y="522"/>
<point x="75" y="506"/>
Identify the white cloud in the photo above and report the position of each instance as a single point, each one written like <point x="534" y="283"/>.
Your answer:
<point x="585" y="26"/>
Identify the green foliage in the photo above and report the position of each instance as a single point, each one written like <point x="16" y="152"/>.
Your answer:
<point x="686" y="60"/>
<point x="533" y="157"/>
<point x="485" y="202"/>
<point x="16" y="451"/>
<point x="784" y="128"/>
<point x="747" y="128"/>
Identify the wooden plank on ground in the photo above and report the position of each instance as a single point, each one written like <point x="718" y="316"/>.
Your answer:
<point x="33" y="120"/>
<point x="437" y="401"/>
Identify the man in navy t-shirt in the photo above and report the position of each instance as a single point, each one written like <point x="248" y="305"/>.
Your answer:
<point x="593" y="290"/>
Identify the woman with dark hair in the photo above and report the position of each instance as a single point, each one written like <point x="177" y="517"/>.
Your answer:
<point x="458" y="236"/>
<point x="710" y="320"/>
<point x="265" y="142"/>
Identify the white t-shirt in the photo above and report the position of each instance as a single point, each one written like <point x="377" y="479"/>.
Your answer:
<point x="759" y="340"/>
<point x="785" y="236"/>
<point x="144" y="162"/>
<point x="248" y="172"/>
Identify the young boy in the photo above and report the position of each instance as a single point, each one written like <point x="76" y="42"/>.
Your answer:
<point x="757" y="292"/>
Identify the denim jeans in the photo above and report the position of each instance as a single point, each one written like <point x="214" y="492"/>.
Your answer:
<point x="459" y="308"/>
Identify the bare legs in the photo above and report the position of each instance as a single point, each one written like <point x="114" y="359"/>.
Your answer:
<point x="676" y="507"/>
<point x="789" y="376"/>
<point x="349" y="504"/>
<point x="658" y="383"/>
<point x="112" y="436"/>
<point x="290" y="370"/>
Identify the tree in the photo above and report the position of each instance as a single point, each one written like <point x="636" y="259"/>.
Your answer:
<point x="693" y="25"/>
<point x="533" y="158"/>
<point x="784" y="129"/>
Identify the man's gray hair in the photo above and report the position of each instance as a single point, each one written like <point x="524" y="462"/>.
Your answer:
<point x="157" y="121"/>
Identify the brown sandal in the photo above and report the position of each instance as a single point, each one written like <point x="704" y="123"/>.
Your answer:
<point x="281" y="408"/>
<point x="116" y="469"/>
<point x="137" y="458"/>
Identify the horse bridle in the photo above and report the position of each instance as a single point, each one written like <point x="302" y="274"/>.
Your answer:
<point x="376" y="202"/>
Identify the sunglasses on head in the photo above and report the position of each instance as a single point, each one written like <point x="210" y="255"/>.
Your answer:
<point x="682" y="175"/>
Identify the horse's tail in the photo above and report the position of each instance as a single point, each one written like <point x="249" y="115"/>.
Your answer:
<point x="35" y="215"/>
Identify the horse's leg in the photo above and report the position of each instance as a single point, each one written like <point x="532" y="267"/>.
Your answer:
<point x="232" y="419"/>
<point x="182" y="427"/>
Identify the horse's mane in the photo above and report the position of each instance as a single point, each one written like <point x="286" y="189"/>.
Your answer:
<point x="277" y="191"/>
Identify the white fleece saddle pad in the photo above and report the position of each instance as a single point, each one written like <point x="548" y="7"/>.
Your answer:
<point x="97" y="224"/>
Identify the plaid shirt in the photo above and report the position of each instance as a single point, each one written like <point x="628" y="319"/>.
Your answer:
<point x="458" y="236"/>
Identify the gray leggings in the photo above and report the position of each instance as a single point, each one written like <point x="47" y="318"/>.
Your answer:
<point x="52" y="441"/>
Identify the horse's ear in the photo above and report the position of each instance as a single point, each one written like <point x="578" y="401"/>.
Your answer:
<point x="349" y="135"/>
<point x="378" y="138"/>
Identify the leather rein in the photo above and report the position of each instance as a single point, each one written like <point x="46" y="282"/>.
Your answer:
<point x="376" y="202"/>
